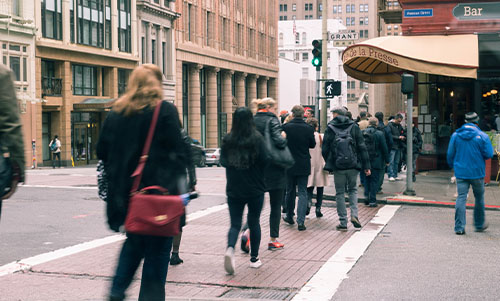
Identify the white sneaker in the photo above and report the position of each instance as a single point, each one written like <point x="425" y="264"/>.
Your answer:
<point x="229" y="261"/>
<point x="453" y="180"/>
<point x="255" y="264"/>
<point x="391" y="179"/>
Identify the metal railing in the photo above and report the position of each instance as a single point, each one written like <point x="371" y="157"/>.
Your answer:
<point x="51" y="86"/>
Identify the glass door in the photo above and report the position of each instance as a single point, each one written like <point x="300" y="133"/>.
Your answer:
<point x="79" y="149"/>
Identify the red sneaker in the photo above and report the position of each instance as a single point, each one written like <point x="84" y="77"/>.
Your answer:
<point x="275" y="245"/>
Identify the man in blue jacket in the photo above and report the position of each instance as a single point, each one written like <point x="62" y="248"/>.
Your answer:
<point x="468" y="149"/>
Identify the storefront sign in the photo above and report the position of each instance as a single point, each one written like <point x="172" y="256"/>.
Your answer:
<point x="343" y="36"/>
<point x="418" y="13"/>
<point x="477" y="11"/>
<point x="364" y="51"/>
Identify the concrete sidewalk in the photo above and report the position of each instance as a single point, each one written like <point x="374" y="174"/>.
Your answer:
<point x="87" y="275"/>
<point x="433" y="188"/>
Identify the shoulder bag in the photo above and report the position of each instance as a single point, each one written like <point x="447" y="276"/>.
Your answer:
<point x="151" y="210"/>
<point x="281" y="157"/>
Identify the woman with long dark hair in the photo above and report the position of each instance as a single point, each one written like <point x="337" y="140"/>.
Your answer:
<point x="120" y="146"/>
<point x="244" y="157"/>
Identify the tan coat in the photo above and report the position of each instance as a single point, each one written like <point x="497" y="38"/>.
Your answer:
<point x="318" y="177"/>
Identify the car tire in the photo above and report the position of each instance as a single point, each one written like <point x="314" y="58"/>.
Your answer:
<point x="202" y="162"/>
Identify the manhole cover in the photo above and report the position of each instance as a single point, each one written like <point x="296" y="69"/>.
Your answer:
<point x="257" y="294"/>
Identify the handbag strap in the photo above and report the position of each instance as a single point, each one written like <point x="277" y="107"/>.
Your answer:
<point x="137" y="174"/>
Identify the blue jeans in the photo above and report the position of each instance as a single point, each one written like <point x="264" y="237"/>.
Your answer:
<point x="292" y="183"/>
<point x="156" y="253"/>
<point x="395" y="156"/>
<point x="372" y="185"/>
<point x="236" y="208"/>
<point x="341" y="178"/>
<point x="463" y="189"/>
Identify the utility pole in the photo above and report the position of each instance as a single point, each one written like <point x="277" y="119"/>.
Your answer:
<point x="324" y="114"/>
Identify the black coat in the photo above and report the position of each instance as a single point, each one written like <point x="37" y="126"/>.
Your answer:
<point x="396" y="130"/>
<point x="417" y="140"/>
<point x="382" y="158"/>
<point x="274" y="174"/>
<point x="343" y="122"/>
<point x="300" y="137"/>
<point x="120" y="145"/>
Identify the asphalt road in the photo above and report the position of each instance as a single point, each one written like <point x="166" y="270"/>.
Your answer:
<point x="60" y="208"/>
<point x="419" y="257"/>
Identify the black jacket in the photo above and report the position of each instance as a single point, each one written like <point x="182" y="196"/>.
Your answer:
<point x="387" y="134"/>
<point x="244" y="183"/>
<point x="417" y="140"/>
<point x="396" y="130"/>
<point x="274" y="174"/>
<point x="382" y="158"/>
<point x="120" y="145"/>
<point x="300" y="137"/>
<point x="343" y="122"/>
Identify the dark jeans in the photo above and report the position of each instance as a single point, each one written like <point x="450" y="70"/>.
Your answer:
<point x="236" y="208"/>
<point x="276" y="197"/>
<point x="342" y="178"/>
<point x="319" y="196"/>
<point x="54" y="156"/>
<point x="381" y="178"/>
<point x="372" y="185"/>
<point x="362" y="178"/>
<point x="292" y="183"/>
<point x="156" y="253"/>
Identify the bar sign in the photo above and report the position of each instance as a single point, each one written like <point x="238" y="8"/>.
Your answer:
<point x="418" y="13"/>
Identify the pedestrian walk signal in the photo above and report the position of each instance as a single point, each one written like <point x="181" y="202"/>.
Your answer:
<point x="332" y="88"/>
<point x="316" y="52"/>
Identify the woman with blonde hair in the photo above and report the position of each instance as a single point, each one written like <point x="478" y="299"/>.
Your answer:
<point x="120" y="146"/>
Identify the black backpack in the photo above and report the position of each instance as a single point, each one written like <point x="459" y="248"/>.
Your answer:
<point x="370" y="142"/>
<point x="344" y="148"/>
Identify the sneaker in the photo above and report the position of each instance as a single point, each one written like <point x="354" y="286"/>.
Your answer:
<point x="289" y="220"/>
<point x="373" y="205"/>
<point x="380" y="192"/>
<point x="355" y="222"/>
<point x="453" y="180"/>
<point x="175" y="259"/>
<point x="275" y="245"/>
<point x="229" y="261"/>
<point x="245" y="241"/>
<point x="461" y="232"/>
<point x="341" y="228"/>
<point x="484" y="227"/>
<point x="301" y="227"/>
<point x="318" y="212"/>
<point x="255" y="262"/>
<point x="391" y="179"/>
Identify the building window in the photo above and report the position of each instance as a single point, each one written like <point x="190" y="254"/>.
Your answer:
<point x="361" y="8"/>
<point x="297" y="56"/>
<point x="90" y="23"/>
<point x="335" y="9"/>
<point x="320" y="7"/>
<point x="15" y="56"/>
<point x="396" y="27"/>
<point x="353" y="8"/>
<point x="305" y="56"/>
<point x="285" y="7"/>
<point x="107" y="25"/>
<point x="361" y="21"/>
<point x="305" y="72"/>
<point x="306" y="17"/>
<point x="143" y="47"/>
<point x="281" y="18"/>
<point x="282" y="54"/>
<point x="294" y="7"/>
<point x="84" y="80"/>
<point x="366" y="33"/>
<point x="328" y="55"/>
<point x="389" y="27"/>
<point x="123" y="75"/>
<point x="348" y="85"/>
<point x="124" y="27"/>
<point x="50" y="84"/>
<point x="280" y="39"/>
<point x="310" y="6"/>
<point x="348" y="8"/>
<point x="366" y="20"/>
<point x="153" y="51"/>
<point x="304" y="38"/>
<point x="347" y="21"/>
<point x="52" y="19"/>
<point x="340" y="9"/>
<point x="285" y="18"/>
<point x="294" y="17"/>
<point x="297" y="38"/>
<point x="361" y="34"/>
<point x="306" y="6"/>
<point x="353" y="85"/>
<point x="366" y="8"/>
<point x="353" y="21"/>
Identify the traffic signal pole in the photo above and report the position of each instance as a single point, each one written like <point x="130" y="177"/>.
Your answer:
<point x="324" y="110"/>
<point x="316" y="107"/>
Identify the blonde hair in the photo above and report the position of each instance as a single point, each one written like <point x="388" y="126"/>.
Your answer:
<point x="254" y="105"/>
<point x="288" y="118"/>
<point x="143" y="89"/>
<point x="267" y="102"/>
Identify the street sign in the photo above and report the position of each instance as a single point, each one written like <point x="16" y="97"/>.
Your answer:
<point x="477" y="11"/>
<point x="332" y="88"/>
<point x="418" y="13"/>
<point x="343" y="36"/>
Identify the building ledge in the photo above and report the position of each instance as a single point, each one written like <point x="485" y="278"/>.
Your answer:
<point x="393" y="16"/>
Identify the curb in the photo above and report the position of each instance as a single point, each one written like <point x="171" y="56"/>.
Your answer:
<point x="403" y="200"/>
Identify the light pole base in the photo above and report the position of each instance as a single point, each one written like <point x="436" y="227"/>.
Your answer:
<point x="409" y="192"/>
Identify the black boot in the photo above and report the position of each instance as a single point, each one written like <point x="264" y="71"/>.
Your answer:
<point x="175" y="259"/>
<point x="318" y="212"/>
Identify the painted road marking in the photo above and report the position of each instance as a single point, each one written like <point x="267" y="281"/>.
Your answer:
<point x="324" y="284"/>
<point x="28" y="263"/>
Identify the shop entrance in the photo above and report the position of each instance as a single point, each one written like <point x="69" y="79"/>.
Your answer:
<point x="84" y="137"/>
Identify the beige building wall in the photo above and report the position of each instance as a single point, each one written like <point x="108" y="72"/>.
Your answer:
<point x="58" y="101"/>
<point x="226" y="55"/>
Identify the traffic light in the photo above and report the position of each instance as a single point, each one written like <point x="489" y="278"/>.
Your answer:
<point x="316" y="52"/>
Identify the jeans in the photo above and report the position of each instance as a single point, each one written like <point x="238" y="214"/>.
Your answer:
<point x="275" y="199"/>
<point x="54" y="156"/>
<point x="341" y="177"/>
<point x="463" y="189"/>
<point x="395" y="156"/>
<point x="362" y="178"/>
<point x="319" y="196"/>
<point x="415" y="157"/>
<point x="236" y="208"/>
<point x="292" y="183"/>
<point x="381" y="178"/>
<point x="156" y="253"/>
<point x="372" y="185"/>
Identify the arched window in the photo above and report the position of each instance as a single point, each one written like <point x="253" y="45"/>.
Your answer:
<point x="304" y="38"/>
<point x="280" y="41"/>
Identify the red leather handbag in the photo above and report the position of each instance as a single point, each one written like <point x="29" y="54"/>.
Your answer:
<point x="151" y="210"/>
